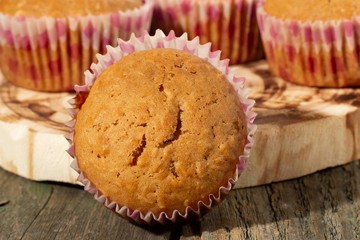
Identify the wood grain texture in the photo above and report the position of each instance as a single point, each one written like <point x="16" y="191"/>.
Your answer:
<point x="325" y="205"/>
<point x="55" y="211"/>
<point x="300" y="130"/>
<point x="32" y="128"/>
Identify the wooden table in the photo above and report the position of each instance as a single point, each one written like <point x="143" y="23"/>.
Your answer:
<point x="324" y="205"/>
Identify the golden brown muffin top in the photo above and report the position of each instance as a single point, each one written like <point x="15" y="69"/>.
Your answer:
<point x="64" y="8"/>
<point x="312" y="10"/>
<point x="160" y="130"/>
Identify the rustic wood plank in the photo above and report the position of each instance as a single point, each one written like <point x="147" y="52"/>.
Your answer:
<point x="325" y="205"/>
<point x="55" y="211"/>
<point x="25" y="201"/>
<point x="73" y="214"/>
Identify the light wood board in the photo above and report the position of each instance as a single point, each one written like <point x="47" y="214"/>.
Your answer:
<point x="300" y="130"/>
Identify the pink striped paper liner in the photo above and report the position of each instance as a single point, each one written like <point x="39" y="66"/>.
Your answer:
<point x="231" y="25"/>
<point x="51" y="54"/>
<point x="160" y="40"/>
<point x="312" y="53"/>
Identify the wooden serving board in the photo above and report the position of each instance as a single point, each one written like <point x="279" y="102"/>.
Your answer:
<point x="300" y="130"/>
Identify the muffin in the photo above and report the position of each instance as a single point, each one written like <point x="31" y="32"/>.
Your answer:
<point x="161" y="133"/>
<point x="230" y="25"/>
<point x="312" y="43"/>
<point x="47" y="45"/>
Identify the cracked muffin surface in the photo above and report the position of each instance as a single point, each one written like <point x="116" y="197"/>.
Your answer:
<point x="159" y="131"/>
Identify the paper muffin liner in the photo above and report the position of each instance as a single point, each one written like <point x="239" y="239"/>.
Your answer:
<point x="231" y="25"/>
<point x="160" y="40"/>
<point x="312" y="53"/>
<point x="51" y="54"/>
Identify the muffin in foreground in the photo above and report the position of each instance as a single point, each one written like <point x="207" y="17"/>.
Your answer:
<point x="161" y="129"/>
<point x="230" y="25"/>
<point x="312" y="43"/>
<point x="47" y="45"/>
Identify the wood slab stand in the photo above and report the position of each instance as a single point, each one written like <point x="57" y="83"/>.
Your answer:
<point x="300" y="130"/>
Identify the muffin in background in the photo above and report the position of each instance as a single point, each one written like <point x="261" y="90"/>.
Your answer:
<point x="47" y="45"/>
<point x="177" y="147"/>
<point x="230" y="25"/>
<point x="312" y="43"/>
